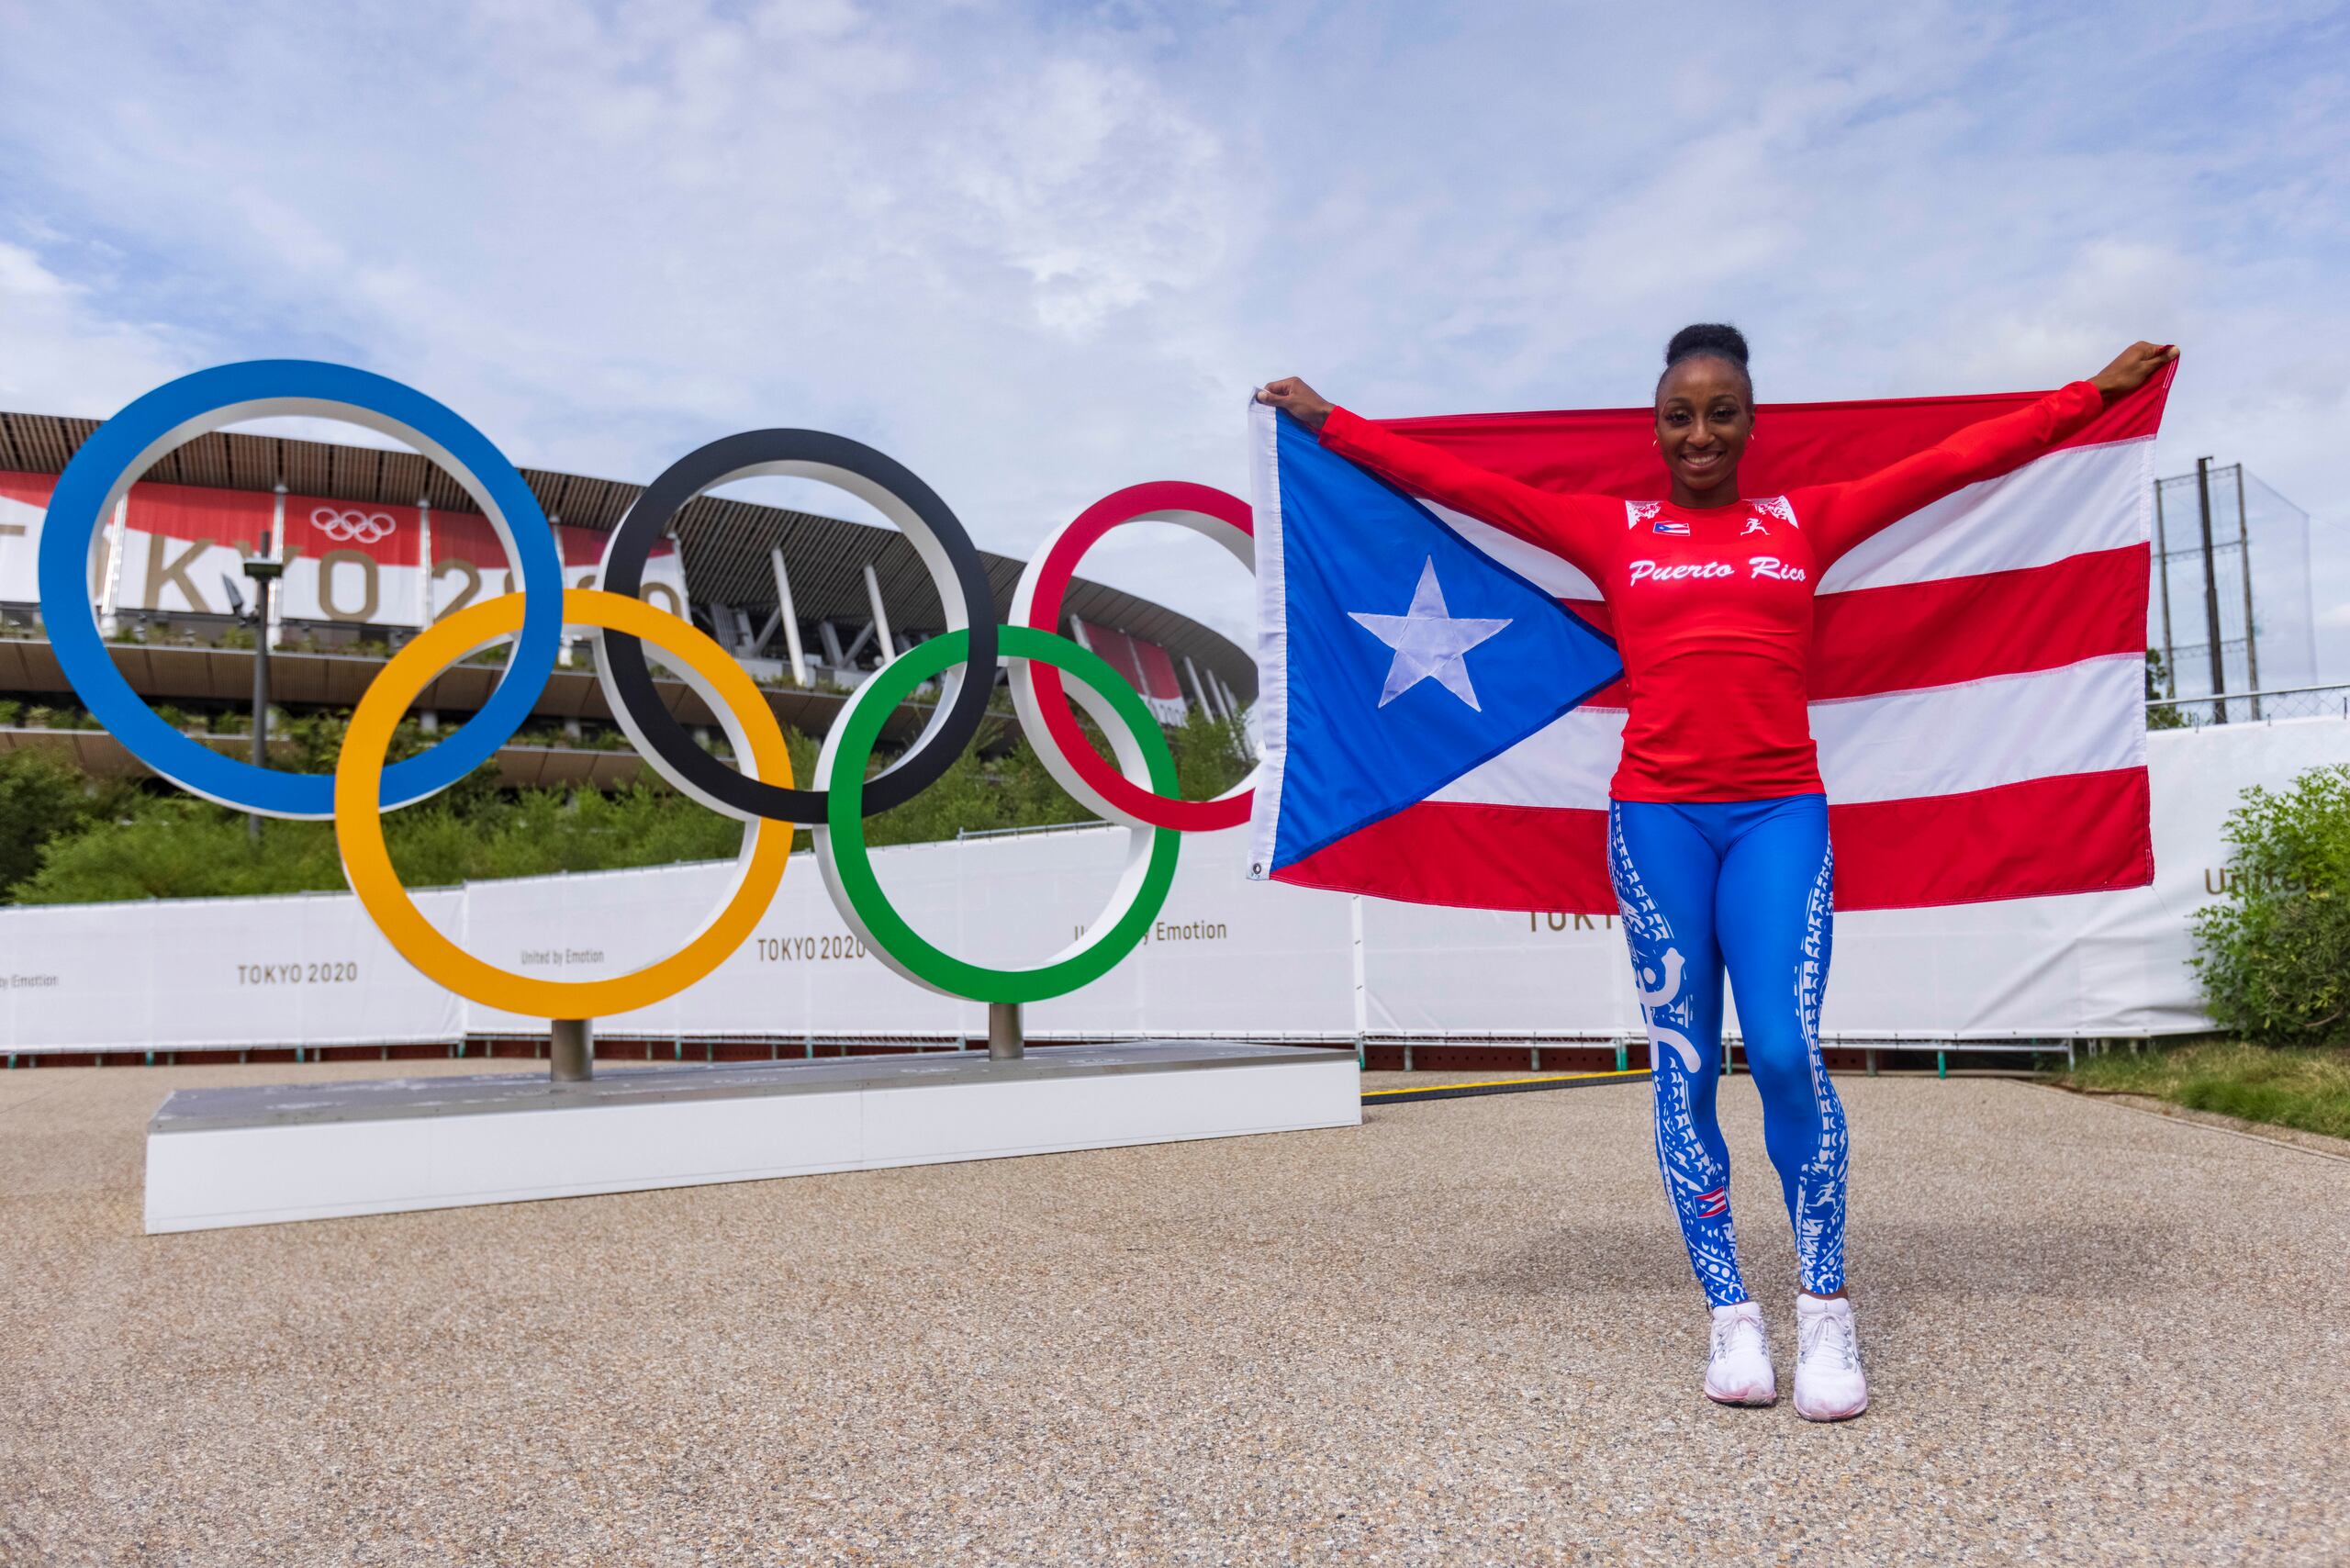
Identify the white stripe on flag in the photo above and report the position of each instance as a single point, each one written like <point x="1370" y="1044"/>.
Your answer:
<point x="1946" y="740"/>
<point x="1942" y="740"/>
<point x="1566" y="763"/>
<point x="2065" y="504"/>
<point x="2068" y="503"/>
<point x="1271" y="711"/>
<point x="1552" y="574"/>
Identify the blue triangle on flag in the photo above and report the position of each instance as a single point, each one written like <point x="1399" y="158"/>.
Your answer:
<point x="1413" y="657"/>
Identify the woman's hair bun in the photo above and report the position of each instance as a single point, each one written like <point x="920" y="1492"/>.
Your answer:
<point x="1707" y="337"/>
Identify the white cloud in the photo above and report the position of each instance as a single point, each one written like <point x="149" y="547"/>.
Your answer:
<point x="61" y="352"/>
<point x="1041" y="254"/>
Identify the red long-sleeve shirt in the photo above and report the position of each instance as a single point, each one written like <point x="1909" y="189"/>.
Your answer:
<point x="1712" y="606"/>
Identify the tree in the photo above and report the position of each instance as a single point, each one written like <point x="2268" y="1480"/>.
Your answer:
<point x="2161" y="714"/>
<point x="42" y="799"/>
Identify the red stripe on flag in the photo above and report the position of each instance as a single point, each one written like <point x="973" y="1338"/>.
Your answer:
<point x="2084" y="833"/>
<point x="1471" y="855"/>
<point x="2078" y="834"/>
<point x="1907" y="636"/>
<point x="1608" y="451"/>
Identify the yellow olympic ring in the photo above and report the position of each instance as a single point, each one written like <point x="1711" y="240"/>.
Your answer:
<point x="359" y="823"/>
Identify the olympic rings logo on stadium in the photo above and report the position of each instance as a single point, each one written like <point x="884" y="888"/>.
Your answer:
<point x="354" y="527"/>
<point x="1046" y="671"/>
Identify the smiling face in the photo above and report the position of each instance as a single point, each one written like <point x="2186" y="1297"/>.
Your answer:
<point x="1705" y="414"/>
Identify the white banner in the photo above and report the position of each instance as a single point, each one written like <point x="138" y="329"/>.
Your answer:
<point x="310" y="970"/>
<point x="20" y="544"/>
<point x="1226" y="956"/>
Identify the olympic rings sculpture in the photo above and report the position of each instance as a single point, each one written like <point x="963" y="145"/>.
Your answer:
<point x="1047" y="673"/>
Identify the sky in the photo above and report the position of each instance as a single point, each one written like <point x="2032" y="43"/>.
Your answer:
<point x="1040" y="251"/>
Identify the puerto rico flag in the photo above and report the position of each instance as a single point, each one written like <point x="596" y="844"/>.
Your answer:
<point x="1440" y="708"/>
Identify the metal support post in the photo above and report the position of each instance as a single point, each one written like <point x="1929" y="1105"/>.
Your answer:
<point x="789" y="615"/>
<point x="264" y="572"/>
<point x="1005" y="1041"/>
<point x="110" y="579"/>
<point x="270" y="630"/>
<point x="2243" y="565"/>
<point x="1199" y="687"/>
<point x="2211" y="593"/>
<point x="2162" y="567"/>
<point x="571" y="1050"/>
<point x="881" y="615"/>
<point x="424" y="560"/>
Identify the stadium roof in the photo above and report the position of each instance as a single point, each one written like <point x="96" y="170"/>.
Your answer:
<point x="724" y="542"/>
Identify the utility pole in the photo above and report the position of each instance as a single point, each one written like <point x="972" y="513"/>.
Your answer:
<point x="2211" y="593"/>
<point x="2162" y="568"/>
<point x="2251" y="630"/>
<point x="265" y="571"/>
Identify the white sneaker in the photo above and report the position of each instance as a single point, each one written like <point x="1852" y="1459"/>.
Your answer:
<point x="1739" y="1372"/>
<point x="1828" y="1384"/>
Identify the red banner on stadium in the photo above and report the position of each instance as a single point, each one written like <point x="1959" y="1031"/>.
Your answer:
<point x="348" y="561"/>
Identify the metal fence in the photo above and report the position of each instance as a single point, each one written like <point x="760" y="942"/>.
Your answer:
<point x="2230" y="608"/>
<point x="2249" y="706"/>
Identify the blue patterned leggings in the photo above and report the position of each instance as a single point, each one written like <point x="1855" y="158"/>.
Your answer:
<point x="1743" y="885"/>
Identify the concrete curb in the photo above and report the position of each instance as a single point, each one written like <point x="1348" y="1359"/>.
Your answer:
<point x="2294" y="1138"/>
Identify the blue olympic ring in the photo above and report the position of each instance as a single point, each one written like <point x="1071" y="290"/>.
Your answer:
<point x="121" y="450"/>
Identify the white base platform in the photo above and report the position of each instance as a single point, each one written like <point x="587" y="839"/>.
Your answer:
<point x="231" y="1157"/>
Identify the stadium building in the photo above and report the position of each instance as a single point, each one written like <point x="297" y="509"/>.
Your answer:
<point x="379" y="542"/>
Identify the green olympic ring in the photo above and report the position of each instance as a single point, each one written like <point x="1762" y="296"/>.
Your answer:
<point x="842" y="855"/>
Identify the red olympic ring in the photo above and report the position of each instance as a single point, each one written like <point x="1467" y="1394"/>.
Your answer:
<point x="1036" y="691"/>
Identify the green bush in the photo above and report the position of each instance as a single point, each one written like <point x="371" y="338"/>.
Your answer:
<point x="2161" y="714"/>
<point x="11" y="710"/>
<point x="174" y="846"/>
<point x="2274" y="955"/>
<point x="44" y="802"/>
<point x="63" y="841"/>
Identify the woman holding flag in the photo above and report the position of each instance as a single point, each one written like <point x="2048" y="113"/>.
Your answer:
<point x="1717" y="823"/>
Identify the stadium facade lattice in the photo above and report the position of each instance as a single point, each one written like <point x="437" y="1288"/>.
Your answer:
<point x="378" y="543"/>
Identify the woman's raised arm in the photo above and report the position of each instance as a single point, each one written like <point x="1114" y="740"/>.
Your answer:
<point x="1538" y="516"/>
<point x="1839" y="516"/>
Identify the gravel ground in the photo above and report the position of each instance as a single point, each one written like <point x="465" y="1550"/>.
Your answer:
<point x="1462" y="1334"/>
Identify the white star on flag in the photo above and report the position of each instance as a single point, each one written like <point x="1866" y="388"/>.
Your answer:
<point x="1428" y="641"/>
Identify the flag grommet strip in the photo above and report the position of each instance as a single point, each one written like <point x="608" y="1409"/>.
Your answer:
<point x="1036" y="691"/>
<point x="842" y="855"/>
<point x="125" y="446"/>
<point x="890" y="488"/>
<point x="359" y="823"/>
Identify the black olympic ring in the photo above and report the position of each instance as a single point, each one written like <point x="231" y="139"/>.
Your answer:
<point x="891" y="488"/>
